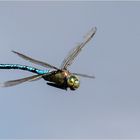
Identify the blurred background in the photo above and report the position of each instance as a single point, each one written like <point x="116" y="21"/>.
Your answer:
<point x="106" y="107"/>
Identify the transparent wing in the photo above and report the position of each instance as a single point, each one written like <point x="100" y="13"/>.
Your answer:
<point x="44" y="64"/>
<point x="74" y="52"/>
<point x="20" y="81"/>
<point x="84" y="75"/>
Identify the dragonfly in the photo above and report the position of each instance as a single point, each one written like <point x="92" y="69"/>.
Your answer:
<point x="59" y="77"/>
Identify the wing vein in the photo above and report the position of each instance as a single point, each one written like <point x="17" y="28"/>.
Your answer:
<point x="74" y="52"/>
<point x="44" y="64"/>
<point x="20" y="81"/>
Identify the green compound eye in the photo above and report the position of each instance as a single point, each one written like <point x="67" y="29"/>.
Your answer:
<point x="76" y="84"/>
<point x="70" y="81"/>
<point x="73" y="82"/>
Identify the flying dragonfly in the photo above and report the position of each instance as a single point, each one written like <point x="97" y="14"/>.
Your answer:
<point x="57" y="77"/>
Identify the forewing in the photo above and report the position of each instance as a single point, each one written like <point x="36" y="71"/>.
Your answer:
<point x="20" y="81"/>
<point x="44" y="64"/>
<point x="84" y="75"/>
<point x="74" y="52"/>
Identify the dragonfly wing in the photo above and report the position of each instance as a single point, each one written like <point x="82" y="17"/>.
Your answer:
<point x="74" y="52"/>
<point x="84" y="75"/>
<point x="19" y="81"/>
<point x="44" y="64"/>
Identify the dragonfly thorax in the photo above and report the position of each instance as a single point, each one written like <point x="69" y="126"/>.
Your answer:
<point x="63" y="79"/>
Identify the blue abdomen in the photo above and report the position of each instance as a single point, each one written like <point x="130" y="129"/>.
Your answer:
<point x="23" y="67"/>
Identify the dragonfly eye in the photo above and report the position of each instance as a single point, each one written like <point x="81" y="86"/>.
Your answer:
<point x="73" y="82"/>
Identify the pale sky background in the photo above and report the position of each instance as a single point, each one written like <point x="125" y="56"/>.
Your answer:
<point x="106" y="107"/>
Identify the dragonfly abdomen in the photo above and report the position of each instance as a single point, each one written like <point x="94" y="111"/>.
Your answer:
<point x="23" y="67"/>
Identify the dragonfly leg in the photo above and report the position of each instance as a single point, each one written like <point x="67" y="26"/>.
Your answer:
<point x="57" y="86"/>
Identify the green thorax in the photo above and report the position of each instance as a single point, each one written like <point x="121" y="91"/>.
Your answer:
<point x="58" y="77"/>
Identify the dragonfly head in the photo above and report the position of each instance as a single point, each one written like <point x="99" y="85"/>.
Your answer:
<point x="73" y="82"/>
